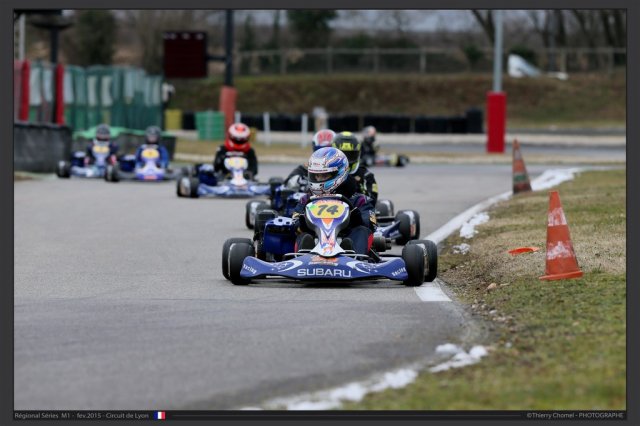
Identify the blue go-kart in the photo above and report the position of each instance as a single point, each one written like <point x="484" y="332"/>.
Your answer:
<point x="400" y="227"/>
<point x="270" y="254"/>
<point x="76" y="167"/>
<point x="146" y="171"/>
<point x="203" y="182"/>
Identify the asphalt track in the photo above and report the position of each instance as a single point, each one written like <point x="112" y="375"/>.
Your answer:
<point x="120" y="302"/>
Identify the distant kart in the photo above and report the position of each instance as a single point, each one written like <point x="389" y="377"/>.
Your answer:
<point x="148" y="171"/>
<point x="203" y="182"/>
<point x="76" y="166"/>
<point x="282" y="199"/>
<point x="401" y="227"/>
<point x="391" y="160"/>
<point x="270" y="253"/>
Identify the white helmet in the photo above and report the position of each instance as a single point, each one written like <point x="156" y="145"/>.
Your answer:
<point x="328" y="168"/>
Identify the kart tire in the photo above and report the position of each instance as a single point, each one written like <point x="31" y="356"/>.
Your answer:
<point x="385" y="207"/>
<point x="274" y="183"/>
<point x="111" y="173"/>
<point x="416" y="216"/>
<point x="238" y="252"/>
<point x="404" y="228"/>
<point x="431" y="252"/>
<point x="63" y="170"/>
<point x="262" y="217"/>
<point x="403" y="160"/>
<point x="413" y="257"/>
<point x="225" y="253"/>
<point x="252" y="205"/>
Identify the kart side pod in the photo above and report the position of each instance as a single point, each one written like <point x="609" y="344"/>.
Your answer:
<point x="279" y="236"/>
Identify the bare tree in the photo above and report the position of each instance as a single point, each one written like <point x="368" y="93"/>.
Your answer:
<point x="485" y="19"/>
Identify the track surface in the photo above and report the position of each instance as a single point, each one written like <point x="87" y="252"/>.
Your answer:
<point x="120" y="301"/>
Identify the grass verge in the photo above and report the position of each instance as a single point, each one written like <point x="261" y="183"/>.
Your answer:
<point x="556" y="345"/>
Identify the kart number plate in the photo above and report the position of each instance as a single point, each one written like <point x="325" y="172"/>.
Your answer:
<point x="326" y="209"/>
<point x="150" y="154"/>
<point x="100" y="149"/>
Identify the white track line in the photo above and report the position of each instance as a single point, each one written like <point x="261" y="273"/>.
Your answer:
<point x="433" y="293"/>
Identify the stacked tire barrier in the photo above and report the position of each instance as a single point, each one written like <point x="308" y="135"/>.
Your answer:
<point x="37" y="147"/>
<point x="471" y="122"/>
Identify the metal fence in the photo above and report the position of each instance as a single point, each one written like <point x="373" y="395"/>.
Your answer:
<point x="417" y="60"/>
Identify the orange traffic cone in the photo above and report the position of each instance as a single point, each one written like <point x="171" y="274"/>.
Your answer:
<point x="561" y="259"/>
<point x="520" y="176"/>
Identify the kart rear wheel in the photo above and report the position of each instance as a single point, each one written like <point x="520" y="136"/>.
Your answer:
<point x="225" y="253"/>
<point x="238" y="252"/>
<point x="413" y="257"/>
<point x="262" y="217"/>
<point x="63" y="170"/>
<point x="274" y="182"/>
<point x="431" y="252"/>
<point x="404" y="228"/>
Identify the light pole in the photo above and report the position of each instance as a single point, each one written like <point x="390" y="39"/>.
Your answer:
<point x="496" y="99"/>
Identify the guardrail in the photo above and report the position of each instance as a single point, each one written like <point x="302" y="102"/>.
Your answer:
<point x="417" y="60"/>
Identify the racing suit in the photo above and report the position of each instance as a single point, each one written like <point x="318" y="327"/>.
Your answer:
<point x="368" y="148"/>
<point x="163" y="161"/>
<point x="221" y="154"/>
<point x="366" y="183"/>
<point x="91" y="159"/>
<point x="362" y="223"/>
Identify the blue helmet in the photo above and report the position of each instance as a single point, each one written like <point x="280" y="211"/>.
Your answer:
<point x="328" y="168"/>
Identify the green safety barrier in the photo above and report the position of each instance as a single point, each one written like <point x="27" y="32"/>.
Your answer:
<point x="210" y="125"/>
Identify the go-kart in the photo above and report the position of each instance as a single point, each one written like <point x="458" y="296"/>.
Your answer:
<point x="204" y="182"/>
<point x="401" y="227"/>
<point x="147" y="171"/>
<point x="76" y="166"/>
<point x="282" y="199"/>
<point x="270" y="253"/>
<point x="392" y="160"/>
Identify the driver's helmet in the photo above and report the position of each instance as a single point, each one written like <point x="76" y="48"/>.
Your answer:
<point x="328" y="168"/>
<point x="322" y="138"/>
<point x="348" y="143"/>
<point x="369" y="134"/>
<point x="103" y="134"/>
<point x="238" y="138"/>
<point x="152" y="135"/>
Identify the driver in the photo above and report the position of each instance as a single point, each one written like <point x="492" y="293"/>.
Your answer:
<point x="237" y="142"/>
<point x="103" y="139"/>
<point x="348" y="143"/>
<point x="369" y="149"/>
<point x="328" y="174"/>
<point x="152" y="141"/>
<point x="297" y="179"/>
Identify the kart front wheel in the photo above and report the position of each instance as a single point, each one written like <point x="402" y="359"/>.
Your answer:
<point x="111" y="174"/>
<point x="225" y="253"/>
<point x="430" y="251"/>
<point x="238" y="252"/>
<point x="413" y="257"/>
<point x="188" y="187"/>
<point x="251" y="208"/>
<point x="63" y="170"/>
<point x="385" y="207"/>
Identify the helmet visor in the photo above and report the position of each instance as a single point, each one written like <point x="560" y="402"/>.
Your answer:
<point x="320" y="177"/>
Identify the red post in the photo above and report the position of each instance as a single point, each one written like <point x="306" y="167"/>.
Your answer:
<point x="24" y="97"/>
<point x="496" y="121"/>
<point x="59" y="118"/>
<point x="228" y="96"/>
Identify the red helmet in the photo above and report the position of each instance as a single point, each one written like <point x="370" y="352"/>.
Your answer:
<point x="238" y="138"/>
<point x="322" y="138"/>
